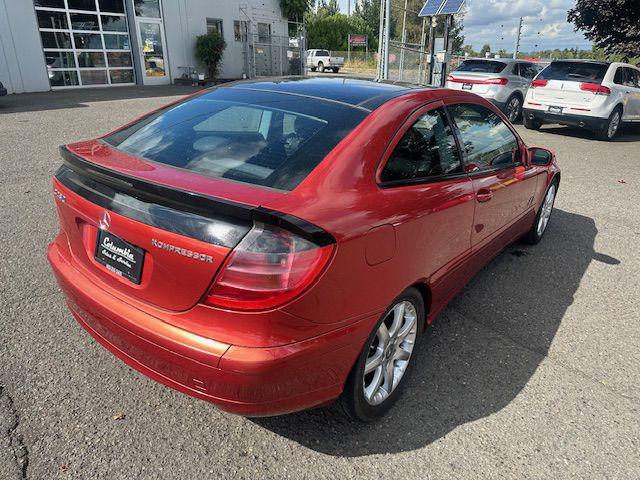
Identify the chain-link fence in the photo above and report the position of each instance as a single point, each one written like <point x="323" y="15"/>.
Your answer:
<point x="272" y="55"/>
<point x="408" y="63"/>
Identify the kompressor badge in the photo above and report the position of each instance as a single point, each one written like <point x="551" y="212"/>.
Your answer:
<point x="181" y="251"/>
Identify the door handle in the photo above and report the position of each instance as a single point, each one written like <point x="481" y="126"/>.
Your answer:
<point x="484" y="195"/>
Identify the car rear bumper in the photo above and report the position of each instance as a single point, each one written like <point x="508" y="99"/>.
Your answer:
<point x="242" y="380"/>
<point x="590" y="122"/>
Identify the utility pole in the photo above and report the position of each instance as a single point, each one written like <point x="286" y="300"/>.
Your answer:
<point x="518" y="34"/>
<point x="404" y="40"/>
<point x="381" y="41"/>
<point x="387" y="39"/>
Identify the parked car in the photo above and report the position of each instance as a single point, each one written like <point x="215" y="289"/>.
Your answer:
<point x="275" y="246"/>
<point x="591" y="94"/>
<point x="322" y="60"/>
<point x="503" y="81"/>
<point x="3" y="90"/>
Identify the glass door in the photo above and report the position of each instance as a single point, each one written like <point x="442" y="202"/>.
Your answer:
<point x="153" y="57"/>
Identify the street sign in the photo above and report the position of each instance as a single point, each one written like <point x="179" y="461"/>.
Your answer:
<point x="358" y="40"/>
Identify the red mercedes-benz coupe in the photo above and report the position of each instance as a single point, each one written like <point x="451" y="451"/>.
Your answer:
<point x="272" y="246"/>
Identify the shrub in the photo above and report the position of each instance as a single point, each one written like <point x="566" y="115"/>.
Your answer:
<point x="209" y="50"/>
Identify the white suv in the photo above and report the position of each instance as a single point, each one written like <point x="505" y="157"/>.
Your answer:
<point x="586" y="93"/>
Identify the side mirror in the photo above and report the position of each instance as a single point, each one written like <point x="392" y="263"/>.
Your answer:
<point x="540" y="157"/>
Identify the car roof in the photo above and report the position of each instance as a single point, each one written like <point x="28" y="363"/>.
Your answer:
<point x="502" y="60"/>
<point x="581" y="60"/>
<point x="355" y="92"/>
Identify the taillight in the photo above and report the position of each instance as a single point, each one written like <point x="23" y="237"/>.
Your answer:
<point x="496" y="81"/>
<point x="539" y="83"/>
<point x="595" y="88"/>
<point x="269" y="267"/>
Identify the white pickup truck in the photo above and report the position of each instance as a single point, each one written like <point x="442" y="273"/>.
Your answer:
<point x="322" y="60"/>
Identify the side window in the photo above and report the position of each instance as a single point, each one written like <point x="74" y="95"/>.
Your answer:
<point x="635" y="77"/>
<point x="618" y="79"/>
<point x="528" y="71"/>
<point x="428" y="149"/>
<point x="631" y="79"/>
<point x="486" y="140"/>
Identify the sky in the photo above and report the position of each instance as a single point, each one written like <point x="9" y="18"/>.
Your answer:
<point x="494" y="22"/>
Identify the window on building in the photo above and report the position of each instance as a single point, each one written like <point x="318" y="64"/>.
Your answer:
<point x="427" y="150"/>
<point x="147" y="8"/>
<point x="73" y="32"/>
<point x="214" y="25"/>
<point x="239" y="29"/>
<point x="487" y="141"/>
<point x="264" y="32"/>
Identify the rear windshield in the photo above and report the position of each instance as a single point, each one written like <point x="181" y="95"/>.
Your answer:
<point x="576" y="71"/>
<point x="481" y="66"/>
<point x="262" y="138"/>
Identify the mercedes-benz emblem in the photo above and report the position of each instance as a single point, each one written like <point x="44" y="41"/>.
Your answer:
<point x="105" y="220"/>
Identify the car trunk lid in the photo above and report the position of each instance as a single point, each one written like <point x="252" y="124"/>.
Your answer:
<point x="564" y="93"/>
<point x="471" y="81"/>
<point x="122" y="214"/>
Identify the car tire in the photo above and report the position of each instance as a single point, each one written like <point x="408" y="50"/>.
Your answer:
<point x="609" y="130"/>
<point x="336" y="70"/>
<point x="531" y="123"/>
<point x="313" y="69"/>
<point x="367" y="404"/>
<point x="541" y="221"/>
<point x="513" y="108"/>
<point x="321" y="67"/>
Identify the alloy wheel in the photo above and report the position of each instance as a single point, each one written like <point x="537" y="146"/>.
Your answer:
<point x="390" y="352"/>
<point x="545" y="213"/>
<point x="513" y="109"/>
<point x="613" y="125"/>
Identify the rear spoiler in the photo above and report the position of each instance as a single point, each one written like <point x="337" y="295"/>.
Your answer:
<point x="176" y="199"/>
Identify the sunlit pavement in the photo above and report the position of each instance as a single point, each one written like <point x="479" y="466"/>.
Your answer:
<point x="532" y="372"/>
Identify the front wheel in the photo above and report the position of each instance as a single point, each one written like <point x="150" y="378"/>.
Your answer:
<point x="544" y="215"/>
<point x="376" y="379"/>
<point x="611" y="127"/>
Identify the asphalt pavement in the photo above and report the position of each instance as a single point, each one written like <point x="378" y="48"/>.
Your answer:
<point x="533" y="371"/>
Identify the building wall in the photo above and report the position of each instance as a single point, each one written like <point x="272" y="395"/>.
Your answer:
<point x="184" y="20"/>
<point x="22" y="67"/>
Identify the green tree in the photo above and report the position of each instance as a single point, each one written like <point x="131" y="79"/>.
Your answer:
<point x="486" y="48"/>
<point x="328" y="9"/>
<point x="613" y="25"/>
<point x="331" y="32"/>
<point x="209" y="50"/>
<point x="457" y="39"/>
<point x="295" y="9"/>
<point x="469" y="51"/>
<point x="369" y="12"/>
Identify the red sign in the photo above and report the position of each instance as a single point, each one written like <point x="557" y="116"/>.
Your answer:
<point x="358" y="40"/>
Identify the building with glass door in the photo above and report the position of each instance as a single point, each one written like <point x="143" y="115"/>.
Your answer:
<point x="59" y="44"/>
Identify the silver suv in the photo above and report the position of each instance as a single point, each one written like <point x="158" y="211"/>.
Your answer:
<point x="502" y="81"/>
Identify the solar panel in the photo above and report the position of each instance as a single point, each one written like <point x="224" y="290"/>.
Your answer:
<point x="451" y="7"/>
<point x="431" y="8"/>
